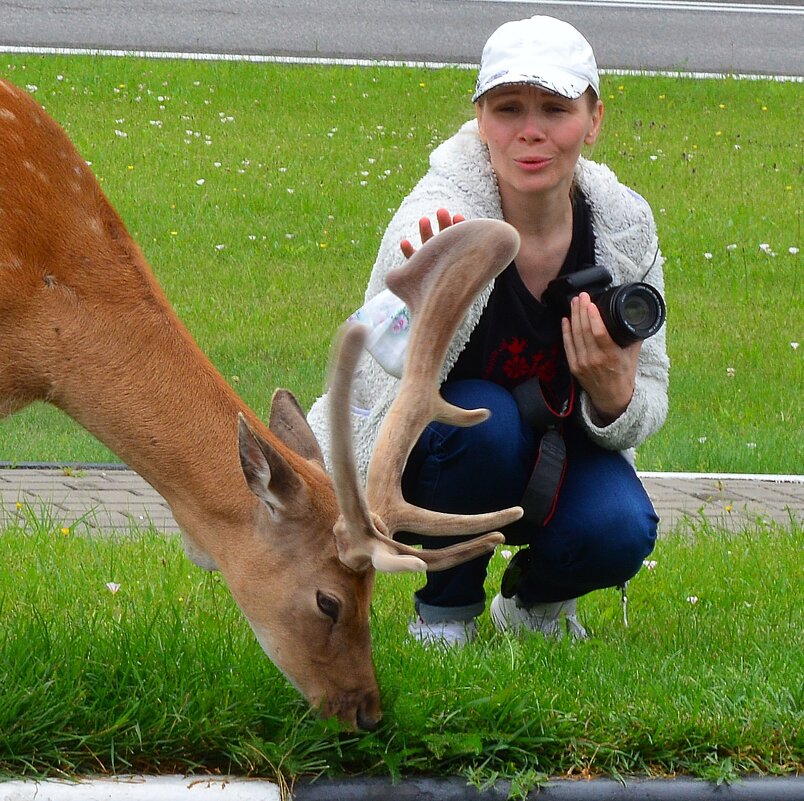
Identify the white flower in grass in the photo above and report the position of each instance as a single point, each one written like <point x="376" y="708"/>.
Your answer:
<point x="794" y="345"/>
<point x="121" y="134"/>
<point x="650" y="564"/>
<point x="201" y="181"/>
<point x="732" y="246"/>
<point x="708" y="255"/>
<point x="692" y="599"/>
<point x="702" y="440"/>
<point x="792" y="251"/>
<point x="220" y="247"/>
<point x="112" y="586"/>
<point x="730" y="372"/>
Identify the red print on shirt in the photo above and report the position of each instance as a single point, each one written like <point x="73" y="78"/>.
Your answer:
<point x="517" y="364"/>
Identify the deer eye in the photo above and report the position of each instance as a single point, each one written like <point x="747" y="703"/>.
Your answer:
<point x="330" y="606"/>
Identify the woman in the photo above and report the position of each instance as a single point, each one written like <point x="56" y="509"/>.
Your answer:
<point x="537" y="104"/>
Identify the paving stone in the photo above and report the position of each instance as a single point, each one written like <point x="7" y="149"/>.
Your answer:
<point x="107" y="499"/>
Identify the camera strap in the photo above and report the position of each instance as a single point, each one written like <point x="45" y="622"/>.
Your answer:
<point x="541" y="493"/>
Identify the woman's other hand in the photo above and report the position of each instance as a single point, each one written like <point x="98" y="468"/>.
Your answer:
<point x="444" y="219"/>
<point x="605" y="370"/>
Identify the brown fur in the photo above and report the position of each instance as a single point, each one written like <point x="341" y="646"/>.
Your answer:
<point x="85" y="326"/>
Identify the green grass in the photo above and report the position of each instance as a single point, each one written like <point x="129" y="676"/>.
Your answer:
<point x="303" y="166"/>
<point x="163" y="674"/>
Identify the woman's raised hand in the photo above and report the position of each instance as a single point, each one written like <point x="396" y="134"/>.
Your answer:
<point x="444" y="219"/>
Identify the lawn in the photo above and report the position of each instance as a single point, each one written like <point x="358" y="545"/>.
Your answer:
<point x="119" y="656"/>
<point x="259" y="193"/>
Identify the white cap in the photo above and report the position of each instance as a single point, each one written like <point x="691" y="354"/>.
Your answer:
<point x="539" y="51"/>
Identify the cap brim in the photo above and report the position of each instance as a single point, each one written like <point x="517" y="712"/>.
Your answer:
<point x="563" y="84"/>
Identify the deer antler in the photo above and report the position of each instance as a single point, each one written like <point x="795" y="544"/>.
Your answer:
<point x="438" y="283"/>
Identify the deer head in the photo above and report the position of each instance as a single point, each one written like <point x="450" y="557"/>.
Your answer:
<point x="438" y="283"/>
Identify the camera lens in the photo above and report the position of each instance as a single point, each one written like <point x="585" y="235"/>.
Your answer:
<point x="636" y="310"/>
<point x="631" y="312"/>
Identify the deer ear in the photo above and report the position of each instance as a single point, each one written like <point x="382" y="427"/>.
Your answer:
<point x="289" y="423"/>
<point x="267" y="472"/>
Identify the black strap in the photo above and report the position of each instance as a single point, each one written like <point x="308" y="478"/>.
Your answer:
<point x="541" y="494"/>
<point x="535" y="409"/>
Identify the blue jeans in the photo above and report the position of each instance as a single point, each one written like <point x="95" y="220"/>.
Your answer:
<point x="603" y="527"/>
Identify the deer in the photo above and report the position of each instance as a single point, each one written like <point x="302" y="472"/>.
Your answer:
<point x="85" y="326"/>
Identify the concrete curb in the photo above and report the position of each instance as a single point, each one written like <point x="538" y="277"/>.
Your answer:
<point x="141" y="788"/>
<point x="636" y="789"/>
<point x="168" y="788"/>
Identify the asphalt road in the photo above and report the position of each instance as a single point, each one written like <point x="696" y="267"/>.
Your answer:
<point x="716" y="37"/>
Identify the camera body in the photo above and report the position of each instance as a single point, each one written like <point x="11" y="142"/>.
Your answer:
<point x="631" y="312"/>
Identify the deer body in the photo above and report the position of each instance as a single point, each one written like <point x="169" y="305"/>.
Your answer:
<point x="85" y="326"/>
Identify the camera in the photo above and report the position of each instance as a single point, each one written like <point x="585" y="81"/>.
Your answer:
<point x="630" y="312"/>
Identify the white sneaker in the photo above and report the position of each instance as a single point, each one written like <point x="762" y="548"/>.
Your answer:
<point x="447" y="633"/>
<point x="507" y="614"/>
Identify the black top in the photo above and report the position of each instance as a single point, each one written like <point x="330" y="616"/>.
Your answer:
<point x="518" y="336"/>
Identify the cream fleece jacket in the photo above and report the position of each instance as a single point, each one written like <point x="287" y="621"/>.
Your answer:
<point x="461" y="179"/>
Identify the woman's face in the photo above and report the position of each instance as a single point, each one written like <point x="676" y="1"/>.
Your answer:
<point x="535" y="138"/>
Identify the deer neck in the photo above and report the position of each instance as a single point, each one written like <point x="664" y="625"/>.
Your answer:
<point x="121" y="363"/>
<point x="85" y="326"/>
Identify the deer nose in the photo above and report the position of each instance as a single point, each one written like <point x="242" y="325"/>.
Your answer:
<point x="369" y="711"/>
<point x="368" y="721"/>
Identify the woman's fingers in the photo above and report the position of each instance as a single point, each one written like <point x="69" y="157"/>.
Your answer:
<point x="444" y="219"/>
